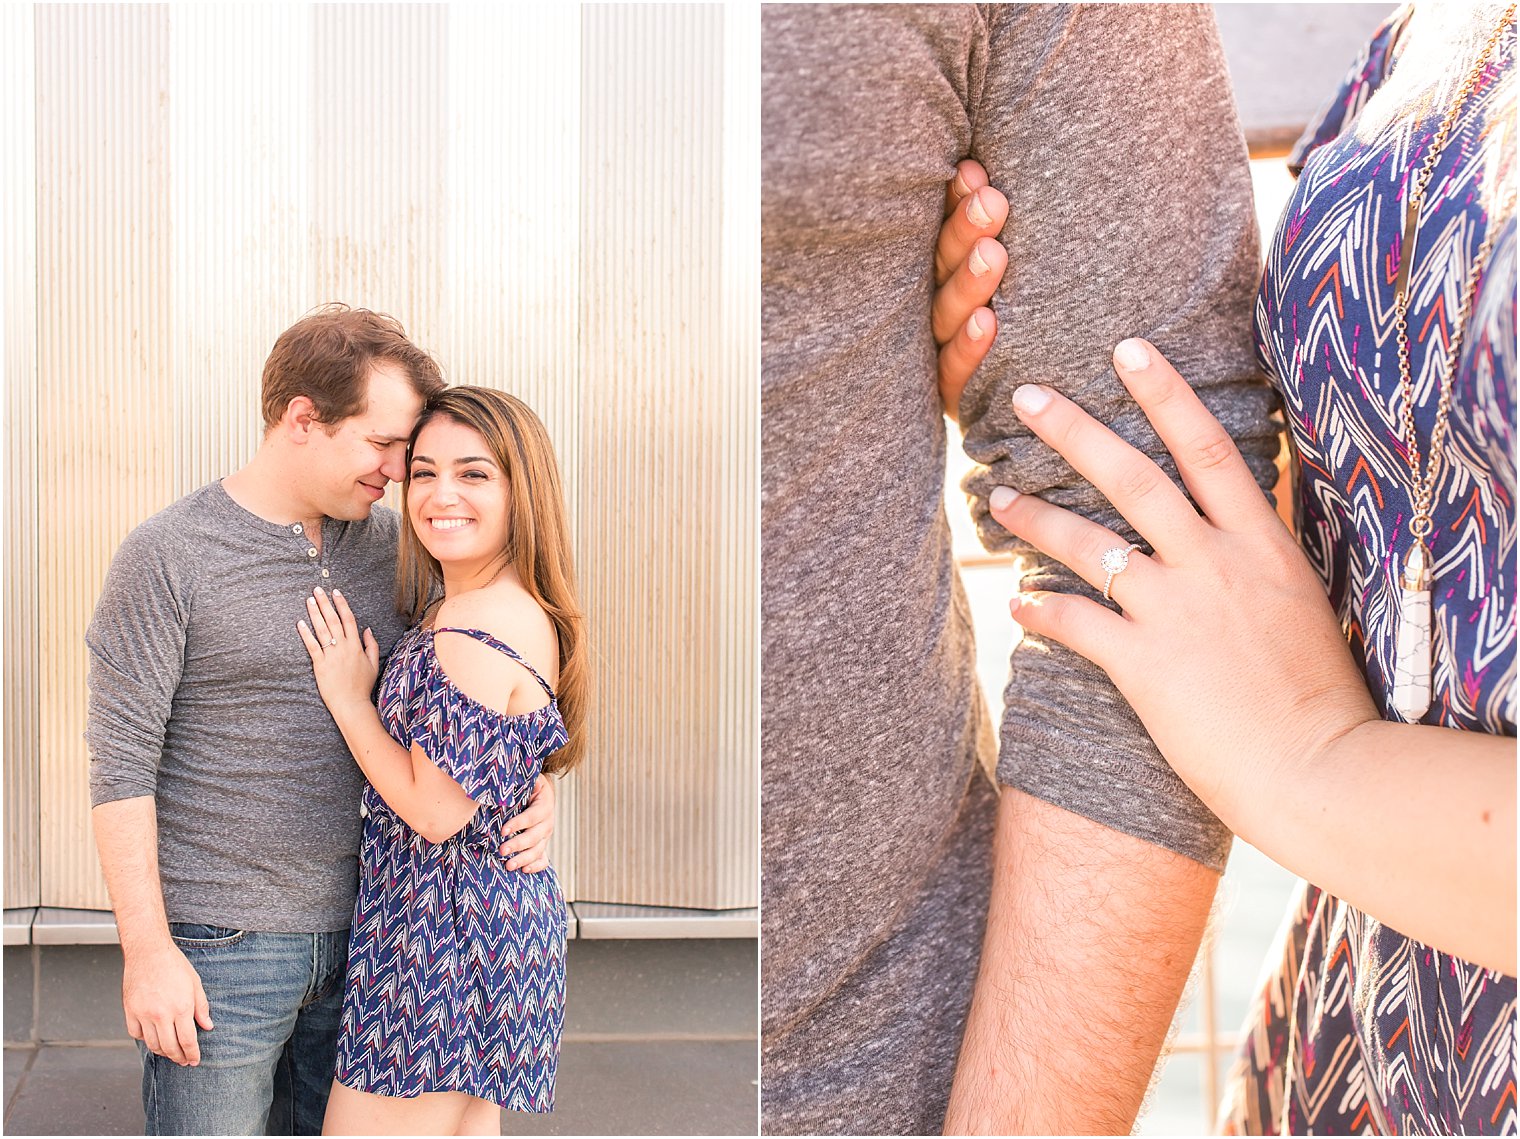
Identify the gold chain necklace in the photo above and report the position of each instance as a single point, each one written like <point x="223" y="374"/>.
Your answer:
<point x="1412" y="655"/>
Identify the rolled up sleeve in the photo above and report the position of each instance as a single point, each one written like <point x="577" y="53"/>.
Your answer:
<point x="136" y="644"/>
<point x="1113" y="132"/>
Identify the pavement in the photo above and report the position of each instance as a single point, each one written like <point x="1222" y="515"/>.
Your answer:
<point x="659" y="1040"/>
<point x="685" y="1087"/>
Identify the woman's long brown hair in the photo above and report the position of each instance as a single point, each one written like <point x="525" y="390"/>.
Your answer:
<point x="537" y="547"/>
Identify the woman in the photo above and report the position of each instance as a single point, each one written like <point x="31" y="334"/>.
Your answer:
<point x="454" y="999"/>
<point x="1384" y="775"/>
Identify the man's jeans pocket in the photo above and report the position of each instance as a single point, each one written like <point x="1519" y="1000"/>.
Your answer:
<point x="272" y="1034"/>
<point x="193" y="935"/>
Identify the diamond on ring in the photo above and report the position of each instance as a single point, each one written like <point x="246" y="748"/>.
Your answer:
<point x="332" y="642"/>
<point x="1114" y="562"/>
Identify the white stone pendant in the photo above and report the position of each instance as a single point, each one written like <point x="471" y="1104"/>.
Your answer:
<point x="1412" y="637"/>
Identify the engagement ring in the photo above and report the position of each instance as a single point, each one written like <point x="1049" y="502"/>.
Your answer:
<point x="1114" y="562"/>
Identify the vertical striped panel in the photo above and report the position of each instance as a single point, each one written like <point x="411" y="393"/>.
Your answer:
<point x="240" y="176"/>
<point x="378" y="100"/>
<point x="558" y="204"/>
<point x="738" y="387"/>
<point x="104" y="437"/>
<point x="18" y="234"/>
<point x="512" y="265"/>
<point x="656" y="534"/>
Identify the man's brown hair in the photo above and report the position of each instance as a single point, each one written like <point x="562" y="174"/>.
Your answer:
<point x="327" y="355"/>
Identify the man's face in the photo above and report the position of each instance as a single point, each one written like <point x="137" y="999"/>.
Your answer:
<point x="346" y="472"/>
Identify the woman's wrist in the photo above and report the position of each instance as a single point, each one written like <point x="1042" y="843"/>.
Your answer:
<point x="352" y="711"/>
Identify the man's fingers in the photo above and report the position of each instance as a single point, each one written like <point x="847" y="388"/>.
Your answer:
<point x="526" y="847"/>
<point x="168" y="1047"/>
<point x="1139" y="489"/>
<point x="969" y="288"/>
<point x="969" y="176"/>
<point x="980" y="216"/>
<point x="149" y="1037"/>
<point x="1207" y="458"/>
<point x="959" y="358"/>
<point x="189" y="1043"/>
<point x="202" y="1006"/>
<point x="134" y="1027"/>
<point x="1079" y="623"/>
<point x="525" y="859"/>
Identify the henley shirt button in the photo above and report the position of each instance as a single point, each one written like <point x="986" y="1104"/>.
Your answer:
<point x="311" y="552"/>
<point x="326" y="574"/>
<point x="295" y="529"/>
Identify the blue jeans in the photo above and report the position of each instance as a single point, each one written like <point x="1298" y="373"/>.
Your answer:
<point x="267" y="1067"/>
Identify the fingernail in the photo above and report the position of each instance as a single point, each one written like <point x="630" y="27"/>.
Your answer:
<point x="979" y="217"/>
<point x="1031" y="399"/>
<point x="1131" y="355"/>
<point x="1014" y="602"/>
<point x="974" y="328"/>
<point x="960" y="184"/>
<point x="977" y="262"/>
<point x="1002" y="497"/>
<point x="337" y="593"/>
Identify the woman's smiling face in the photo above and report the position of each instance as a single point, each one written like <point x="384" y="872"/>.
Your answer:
<point x="457" y="494"/>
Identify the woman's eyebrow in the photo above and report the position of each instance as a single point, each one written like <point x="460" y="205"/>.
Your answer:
<point x="457" y="462"/>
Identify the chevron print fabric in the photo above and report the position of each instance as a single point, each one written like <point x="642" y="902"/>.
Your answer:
<point x="456" y="973"/>
<point x="1360" y="1030"/>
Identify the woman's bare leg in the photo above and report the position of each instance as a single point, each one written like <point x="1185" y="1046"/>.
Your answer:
<point x="481" y="1117"/>
<point x="362" y="1113"/>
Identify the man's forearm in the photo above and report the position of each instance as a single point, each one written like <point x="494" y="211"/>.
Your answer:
<point x="1090" y="937"/>
<point x="126" y="835"/>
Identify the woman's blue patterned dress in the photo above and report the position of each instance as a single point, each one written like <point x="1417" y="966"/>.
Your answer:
<point x="456" y="967"/>
<point x="1358" y="1029"/>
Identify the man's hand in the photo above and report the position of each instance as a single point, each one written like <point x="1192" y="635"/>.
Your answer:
<point x="528" y="848"/>
<point x="162" y="996"/>
<point x="968" y="265"/>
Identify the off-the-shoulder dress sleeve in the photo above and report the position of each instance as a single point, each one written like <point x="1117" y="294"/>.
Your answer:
<point x="490" y="754"/>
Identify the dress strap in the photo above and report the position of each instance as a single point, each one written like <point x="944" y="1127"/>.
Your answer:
<point x="485" y="637"/>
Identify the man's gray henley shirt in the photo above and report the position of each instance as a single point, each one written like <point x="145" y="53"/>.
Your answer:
<point x="202" y="696"/>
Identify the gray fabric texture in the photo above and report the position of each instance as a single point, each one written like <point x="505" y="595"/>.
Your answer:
<point x="202" y="696"/>
<point x="1112" y="131"/>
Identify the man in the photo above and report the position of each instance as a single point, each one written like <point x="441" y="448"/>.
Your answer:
<point x="1111" y="130"/>
<point x="225" y="801"/>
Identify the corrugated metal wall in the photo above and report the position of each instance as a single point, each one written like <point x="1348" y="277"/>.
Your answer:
<point x="21" y="661"/>
<point x="546" y="199"/>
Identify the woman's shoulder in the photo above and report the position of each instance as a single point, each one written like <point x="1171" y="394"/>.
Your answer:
<point x="508" y="614"/>
<point x="505" y="610"/>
